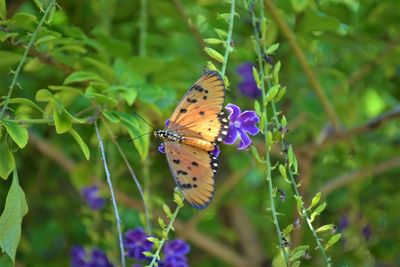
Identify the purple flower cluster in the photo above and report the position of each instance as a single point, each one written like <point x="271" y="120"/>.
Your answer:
<point x="175" y="252"/>
<point x="97" y="258"/>
<point x="135" y="242"/>
<point x="240" y="125"/>
<point x="92" y="198"/>
<point x="248" y="85"/>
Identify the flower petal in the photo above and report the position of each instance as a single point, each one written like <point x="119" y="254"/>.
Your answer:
<point x="216" y="151"/>
<point x="232" y="135"/>
<point x="250" y="127"/>
<point x="161" y="148"/>
<point x="245" y="140"/>
<point x="234" y="111"/>
<point x="249" y="115"/>
<point x="245" y="70"/>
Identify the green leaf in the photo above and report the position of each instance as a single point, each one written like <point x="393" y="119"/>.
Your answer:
<point x="317" y="211"/>
<point x="292" y="160"/>
<point x="7" y="161"/>
<point x="299" y="5"/>
<point x="8" y="59"/>
<point x="256" y="155"/>
<point x="111" y="116"/>
<point x="136" y="128"/>
<point x="45" y="39"/>
<point x="61" y="119"/>
<point x="211" y="66"/>
<point x="83" y="76"/>
<point x="39" y="5"/>
<point x="333" y="240"/>
<point x="315" y="200"/>
<point x="167" y="210"/>
<point x="23" y="20"/>
<point x="298" y="252"/>
<point x="221" y="33"/>
<point x="214" y="54"/>
<point x="24" y="101"/>
<point x="11" y="218"/>
<point x="129" y="94"/>
<point x="288" y="229"/>
<point x="5" y="261"/>
<point x="5" y="35"/>
<point x="270" y="140"/>
<point x="327" y="227"/>
<point x="257" y="107"/>
<point x="81" y="143"/>
<point x="18" y="133"/>
<point x="213" y="41"/>
<point x="272" y="92"/>
<point x="256" y="77"/>
<point x="161" y="223"/>
<point x="272" y="48"/>
<point x="295" y="264"/>
<point x="299" y="204"/>
<point x="3" y="9"/>
<point x="43" y="95"/>
<point x="282" y="171"/>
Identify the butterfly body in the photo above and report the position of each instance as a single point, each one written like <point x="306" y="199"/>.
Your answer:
<point x="192" y="134"/>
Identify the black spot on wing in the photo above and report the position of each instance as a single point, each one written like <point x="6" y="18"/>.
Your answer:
<point x="176" y="161"/>
<point x="194" y="163"/>
<point x="181" y="172"/>
<point x="183" y="110"/>
<point x="202" y="113"/>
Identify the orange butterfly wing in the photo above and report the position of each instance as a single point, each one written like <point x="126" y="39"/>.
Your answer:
<point x="193" y="171"/>
<point x="199" y="114"/>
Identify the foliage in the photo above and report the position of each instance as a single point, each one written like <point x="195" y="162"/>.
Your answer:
<point x="315" y="187"/>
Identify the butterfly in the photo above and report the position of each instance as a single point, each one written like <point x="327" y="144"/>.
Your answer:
<point x="191" y="135"/>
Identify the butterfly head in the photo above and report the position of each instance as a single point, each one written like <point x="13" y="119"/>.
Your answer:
<point x="170" y="136"/>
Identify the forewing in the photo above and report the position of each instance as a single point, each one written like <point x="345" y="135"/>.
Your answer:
<point x="199" y="114"/>
<point x="193" y="170"/>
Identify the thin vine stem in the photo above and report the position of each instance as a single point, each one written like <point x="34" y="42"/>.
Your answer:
<point x="228" y="47"/>
<point x="156" y="255"/>
<point x="113" y="199"/>
<point x="24" y="56"/>
<point x="260" y="52"/>
<point x="267" y="148"/>
<point x="134" y="177"/>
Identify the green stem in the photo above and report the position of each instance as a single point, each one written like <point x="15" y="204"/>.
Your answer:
<point x="22" y="61"/>
<point x="228" y="47"/>
<point x="267" y="148"/>
<point x="143" y="28"/>
<point x="156" y="255"/>
<point x="288" y="169"/>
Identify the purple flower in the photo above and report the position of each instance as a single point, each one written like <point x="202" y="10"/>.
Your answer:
<point x="91" y="196"/>
<point x="367" y="232"/>
<point x="97" y="258"/>
<point x="136" y="243"/>
<point x="216" y="151"/>
<point x="175" y="252"/>
<point x="248" y="85"/>
<point x="344" y="223"/>
<point x="239" y="125"/>
<point x="77" y="256"/>
<point x="161" y="148"/>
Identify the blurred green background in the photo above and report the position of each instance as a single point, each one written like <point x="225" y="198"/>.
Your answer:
<point x="352" y="49"/>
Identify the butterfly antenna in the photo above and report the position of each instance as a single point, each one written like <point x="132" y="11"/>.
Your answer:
<point x="133" y="139"/>
<point x="148" y="123"/>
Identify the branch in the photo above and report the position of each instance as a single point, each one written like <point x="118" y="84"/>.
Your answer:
<point x="298" y="52"/>
<point x="114" y="202"/>
<point x="359" y="175"/>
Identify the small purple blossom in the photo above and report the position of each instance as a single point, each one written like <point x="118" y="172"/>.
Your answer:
<point x="77" y="254"/>
<point x="92" y="199"/>
<point x="167" y="123"/>
<point x="161" y="148"/>
<point x="248" y="85"/>
<point x="367" y="232"/>
<point x="240" y="124"/>
<point x="97" y="258"/>
<point x="175" y="252"/>
<point x="344" y="223"/>
<point x="216" y="151"/>
<point x="136" y="243"/>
